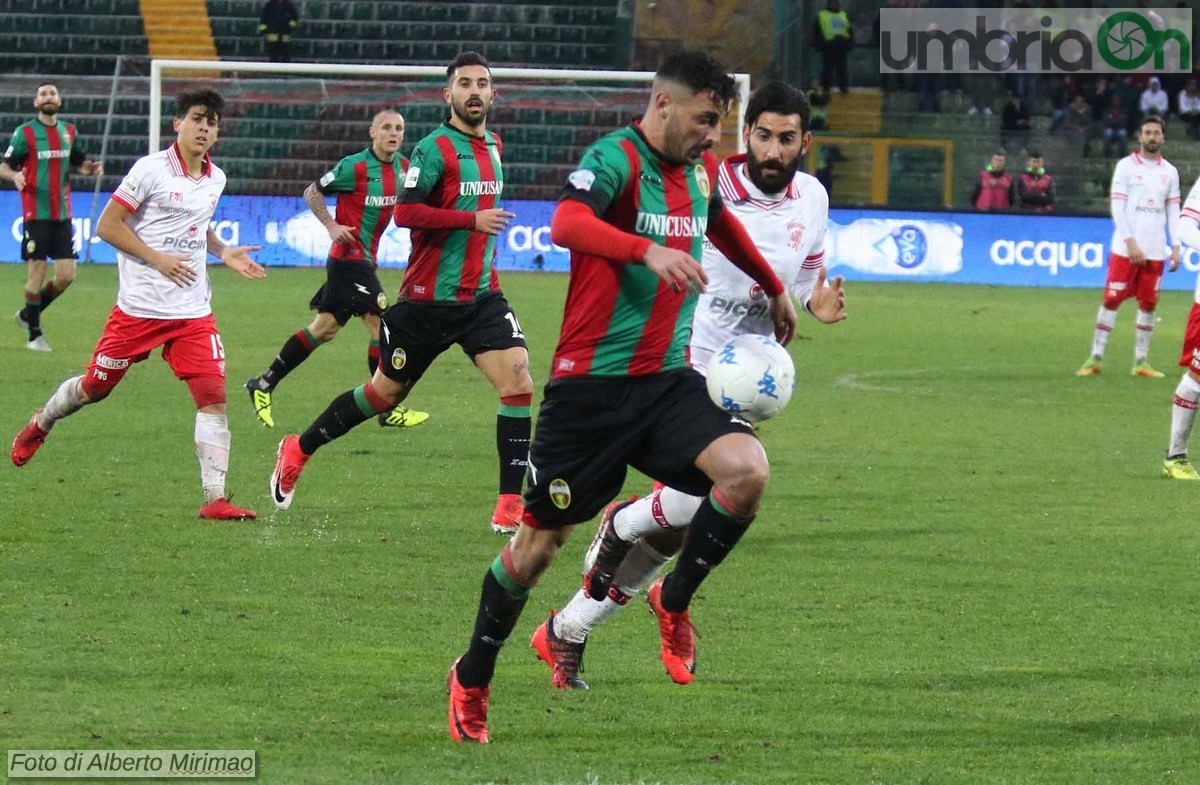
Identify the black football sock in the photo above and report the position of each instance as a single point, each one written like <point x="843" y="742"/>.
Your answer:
<point x="294" y="351"/>
<point x="500" y="605"/>
<point x="711" y="536"/>
<point x="33" y="313"/>
<point x="512" y="440"/>
<point x="50" y="293"/>
<point x="349" y="409"/>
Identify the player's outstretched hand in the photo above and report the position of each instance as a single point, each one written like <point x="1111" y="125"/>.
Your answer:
<point x="675" y="267"/>
<point x="828" y="302"/>
<point x="343" y="235"/>
<point x="492" y="221"/>
<point x="18" y="181"/>
<point x="1176" y="255"/>
<point x="177" y="268"/>
<point x="783" y="316"/>
<point x="92" y="168"/>
<point x="238" y="259"/>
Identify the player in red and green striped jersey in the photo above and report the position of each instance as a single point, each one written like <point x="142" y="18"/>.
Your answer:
<point x="451" y="293"/>
<point x="366" y="185"/>
<point x="37" y="163"/>
<point x="634" y="215"/>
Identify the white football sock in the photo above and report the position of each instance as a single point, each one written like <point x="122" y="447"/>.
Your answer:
<point x="1105" y="321"/>
<point x="583" y="614"/>
<point x="666" y="508"/>
<point x="212" y="449"/>
<point x="63" y="403"/>
<point x="1183" y="415"/>
<point x="1145" y="331"/>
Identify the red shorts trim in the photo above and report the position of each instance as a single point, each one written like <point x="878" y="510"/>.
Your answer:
<point x="192" y="347"/>
<point x="1126" y="280"/>
<point x="1190" y="358"/>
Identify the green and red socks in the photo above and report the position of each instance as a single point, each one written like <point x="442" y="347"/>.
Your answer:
<point x="500" y="604"/>
<point x="713" y="533"/>
<point x="349" y="409"/>
<point x="35" y="304"/>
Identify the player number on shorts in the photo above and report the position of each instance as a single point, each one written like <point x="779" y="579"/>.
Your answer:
<point x="512" y="317"/>
<point x="217" y="347"/>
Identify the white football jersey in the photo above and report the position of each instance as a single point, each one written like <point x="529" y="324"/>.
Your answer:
<point x="789" y="230"/>
<point x="1145" y="197"/>
<point x="171" y="213"/>
<point x="1190" y="225"/>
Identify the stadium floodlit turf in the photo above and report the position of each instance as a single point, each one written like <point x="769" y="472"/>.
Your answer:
<point x="967" y="569"/>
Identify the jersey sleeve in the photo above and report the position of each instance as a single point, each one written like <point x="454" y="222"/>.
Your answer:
<point x="1118" y="196"/>
<point x="1173" y="208"/>
<point x="1189" y="226"/>
<point x="599" y="179"/>
<point x="424" y="171"/>
<point x="339" y="179"/>
<point x="136" y="186"/>
<point x="17" y="150"/>
<point x="806" y="274"/>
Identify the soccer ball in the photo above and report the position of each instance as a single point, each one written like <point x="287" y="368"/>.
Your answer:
<point x="751" y="377"/>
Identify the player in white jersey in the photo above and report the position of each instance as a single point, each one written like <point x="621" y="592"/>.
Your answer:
<point x="1177" y="466"/>
<point x="159" y="221"/>
<point x="786" y="213"/>
<point x="1145" y="209"/>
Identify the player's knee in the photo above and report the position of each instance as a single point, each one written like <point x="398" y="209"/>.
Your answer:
<point x="63" y="279"/>
<point x="1113" y="303"/>
<point x="1147" y="304"/>
<point x="97" y="385"/>
<point x="533" y="550"/>
<point x="206" y="390"/>
<point x="742" y="483"/>
<point x="324" y="333"/>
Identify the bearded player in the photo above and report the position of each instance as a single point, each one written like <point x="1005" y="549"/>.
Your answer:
<point x="785" y="212"/>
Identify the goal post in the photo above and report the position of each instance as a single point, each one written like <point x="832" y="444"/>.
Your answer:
<point x="159" y="67"/>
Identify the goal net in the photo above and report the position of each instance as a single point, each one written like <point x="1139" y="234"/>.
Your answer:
<point x="285" y="124"/>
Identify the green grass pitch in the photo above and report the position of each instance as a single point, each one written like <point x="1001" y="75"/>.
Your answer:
<point x="967" y="569"/>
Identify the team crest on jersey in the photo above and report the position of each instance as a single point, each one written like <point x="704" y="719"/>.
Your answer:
<point x="795" y="235"/>
<point x="560" y="493"/>
<point x="756" y="292"/>
<point x="399" y="358"/>
<point x="30" y="247"/>
<point x="381" y="301"/>
<point x="702" y="181"/>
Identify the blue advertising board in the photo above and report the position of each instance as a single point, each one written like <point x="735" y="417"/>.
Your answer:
<point x="862" y="245"/>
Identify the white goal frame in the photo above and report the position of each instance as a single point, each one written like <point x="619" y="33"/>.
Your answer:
<point x="579" y="75"/>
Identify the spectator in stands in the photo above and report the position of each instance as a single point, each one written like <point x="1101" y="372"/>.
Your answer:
<point x="1100" y="98"/>
<point x="833" y="36"/>
<point x="818" y="99"/>
<point x="1077" y="122"/>
<point x="1154" y="99"/>
<point x="1062" y="94"/>
<point x="1189" y="108"/>
<point x="1035" y="188"/>
<point x="1014" y="122"/>
<point x="995" y="189"/>
<point x="1116" y="128"/>
<point x="279" y="18"/>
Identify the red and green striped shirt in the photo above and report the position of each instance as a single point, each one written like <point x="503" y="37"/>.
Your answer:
<point x="453" y="170"/>
<point x="366" y="190"/>
<point x="45" y="153"/>
<point x="620" y="318"/>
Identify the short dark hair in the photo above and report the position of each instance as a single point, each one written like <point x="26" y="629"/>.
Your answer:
<point x="1033" y="154"/>
<point x="466" y="58"/>
<point x="207" y="97"/>
<point x="778" y="98"/>
<point x="1153" y="118"/>
<point x="699" y="72"/>
<point x="45" y="84"/>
